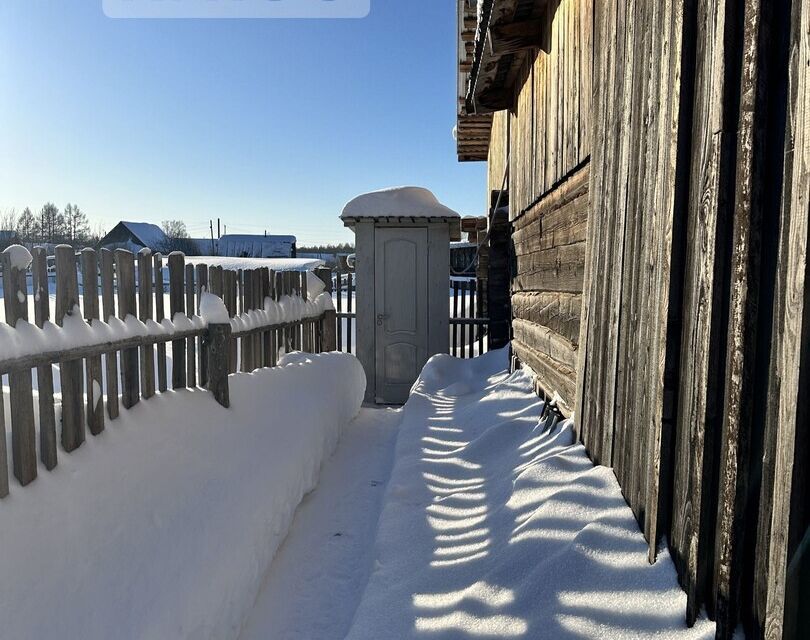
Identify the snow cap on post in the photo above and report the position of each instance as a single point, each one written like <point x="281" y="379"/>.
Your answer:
<point x="18" y="257"/>
<point x="399" y="204"/>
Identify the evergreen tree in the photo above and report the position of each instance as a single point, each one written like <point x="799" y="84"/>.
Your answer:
<point x="76" y="225"/>
<point x="51" y="223"/>
<point x="27" y="226"/>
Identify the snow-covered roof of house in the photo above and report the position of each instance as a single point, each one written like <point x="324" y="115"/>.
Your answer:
<point x="250" y="246"/>
<point x="149" y="234"/>
<point x="397" y="202"/>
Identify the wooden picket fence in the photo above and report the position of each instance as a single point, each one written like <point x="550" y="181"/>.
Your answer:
<point x="135" y="368"/>
<point x="345" y="288"/>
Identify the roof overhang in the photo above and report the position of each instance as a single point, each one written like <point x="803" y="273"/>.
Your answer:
<point x="507" y="32"/>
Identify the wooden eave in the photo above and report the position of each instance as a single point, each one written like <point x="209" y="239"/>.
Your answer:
<point x="508" y="32"/>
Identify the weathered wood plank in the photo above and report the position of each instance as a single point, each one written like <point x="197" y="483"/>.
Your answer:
<point x="94" y="379"/>
<point x="162" y="373"/>
<point x="42" y="314"/>
<point x="191" y="343"/>
<point x="107" y="312"/>
<point x="177" y="305"/>
<point x="130" y="383"/>
<point x="202" y="287"/>
<point x="146" y="299"/>
<point x="21" y="398"/>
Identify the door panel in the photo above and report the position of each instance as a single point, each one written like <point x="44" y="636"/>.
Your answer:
<point x="401" y="311"/>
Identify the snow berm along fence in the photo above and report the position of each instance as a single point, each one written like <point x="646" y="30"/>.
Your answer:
<point x="126" y="328"/>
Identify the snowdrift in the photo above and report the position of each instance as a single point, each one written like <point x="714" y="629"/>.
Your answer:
<point x="164" y="525"/>
<point x="495" y="524"/>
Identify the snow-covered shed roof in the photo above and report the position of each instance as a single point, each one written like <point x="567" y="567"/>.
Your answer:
<point x="400" y="205"/>
<point x="149" y="234"/>
<point x="254" y="246"/>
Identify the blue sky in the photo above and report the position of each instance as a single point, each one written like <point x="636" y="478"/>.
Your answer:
<point x="268" y="124"/>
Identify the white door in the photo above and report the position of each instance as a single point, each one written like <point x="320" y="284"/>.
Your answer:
<point x="401" y="311"/>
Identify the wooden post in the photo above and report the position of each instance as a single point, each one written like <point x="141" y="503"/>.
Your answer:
<point x="349" y="308"/>
<point x="328" y="330"/>
<point x="306" y="325"/>
<point x="23" y="431"/>
<point x="455" y="315"/>
<point x="218" y="341"/>
<point x="191" y="343"/>
<point x="70" y="373"/>
<point x="340" y="325"/>
<point x="202" y="286"/>
<point x="3" y="453"/>
<point x="42" y="314"/>
<point x="125" y="266"/>
<point x="267" y="342"/>
<point x="108" y="311"/>
<point x="229" y="296"/>
<point x="177" y="305"/>
<point x="145" y="312"/>
<point x="94" y="381"/>
<point x="246" y="303"/>
<point x="280" y="334"/>
<point x="160" y="314"/>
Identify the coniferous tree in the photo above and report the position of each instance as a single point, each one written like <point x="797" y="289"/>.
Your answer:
<point x="28" y="226"/>
<point x="51" y="223"/>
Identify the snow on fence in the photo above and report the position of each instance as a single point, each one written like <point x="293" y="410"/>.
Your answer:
<point x="265" y="313"/>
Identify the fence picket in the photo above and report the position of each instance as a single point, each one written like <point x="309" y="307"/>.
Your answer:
<point x="455" y="315"/>
<point x="70" y="373"/>
<point x="42" y="314"/>
<point x="349" y="309"/>
<point x="202" y="286"/>
<point x="23" y="431"/>
<point x="146" y="312"/>
<point x="177" y="305"/>
<point x="160" y="315"/>
<point x="94" y="381"/>
<point x="471" y="314"/>
<point x="130" y="383"/>
<point x="3" y="452"/>
<point x="229" y="293"/>
<point x="107" y="312"/>
<point x="266" y="336"/>
<point x="191" y="343"/>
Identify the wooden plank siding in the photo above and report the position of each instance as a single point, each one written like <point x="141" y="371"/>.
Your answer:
<point x="658" y="187"/>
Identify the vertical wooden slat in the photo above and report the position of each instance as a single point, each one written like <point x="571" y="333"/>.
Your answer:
<point x="349" y="310"/>
<point x="107" y="312"/>
<point x="229" y="294"/>
<point x="455" y="315"/>
<point x="130" y="383"/>
<point x="479" y="314"/>
<point x="42" y="314"/>
<point x="191" y="343"/>
<point x="266" y="293"/>
<point x="473" y="328"/>
<point x="463" y="326"/>
<point x="339" y="310"/>
<point x="202" y="286"/>
<point x="23" y="431"/>
<point x="160" y="314"/>
<point x="70" y="373"/>
<point x="3" y="453"/>
<point x="245" y="304"/>
<point x="146" y="312"/>
<point x="94" y="380"/>
<point x="177" y="305"/>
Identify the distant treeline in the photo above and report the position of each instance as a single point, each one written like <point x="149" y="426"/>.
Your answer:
<point x="50" y="225"/>
<point x="346" y="247"/>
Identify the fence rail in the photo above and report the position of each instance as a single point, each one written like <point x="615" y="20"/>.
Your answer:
<point x="133" y="351"/>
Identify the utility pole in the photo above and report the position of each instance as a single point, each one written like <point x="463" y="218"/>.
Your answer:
<point x="219" y="235"/>
<point x="213" y="248"/>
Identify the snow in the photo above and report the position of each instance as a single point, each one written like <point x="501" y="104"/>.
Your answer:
<point x="18" y="256"/>
<point x="150" y="235"/>
<point x="164" y="525"/>
<point x="497" y="524"/>
<point x="26" y="339"/>
<point x="213" y="309"/>
<point x="326" y="559"/>
<point x="255" y="246"/>
<point x="315" y="286"/>
<point x="415" y="202"/>
<point x="276" y="264"/>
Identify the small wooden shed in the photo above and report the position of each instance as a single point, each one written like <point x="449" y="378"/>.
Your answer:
<point x="402" y="242"/>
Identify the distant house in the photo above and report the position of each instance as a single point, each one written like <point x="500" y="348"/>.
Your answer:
<point x="134" y="236"/>
<point x="248" y="246"/>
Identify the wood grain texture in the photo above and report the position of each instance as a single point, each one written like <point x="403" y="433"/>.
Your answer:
<point x="177" y="304"/>
<point x="94" y="380"/>
<point x="107" y="312"/>
<point x="71" y="373"/>
<point x="42" y="314"/>
<point x="125" y="272"/>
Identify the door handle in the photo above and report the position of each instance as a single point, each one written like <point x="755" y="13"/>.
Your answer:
<point x="381" y="317"/>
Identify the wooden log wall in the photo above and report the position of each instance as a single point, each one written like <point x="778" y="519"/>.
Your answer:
<point x="549" y="147"/>
<point x="694" y="338"/>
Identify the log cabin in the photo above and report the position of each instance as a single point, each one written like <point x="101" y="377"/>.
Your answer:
<point x="652" y="161"/>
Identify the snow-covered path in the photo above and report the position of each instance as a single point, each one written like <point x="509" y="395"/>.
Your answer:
<point x="319" y="573"/>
